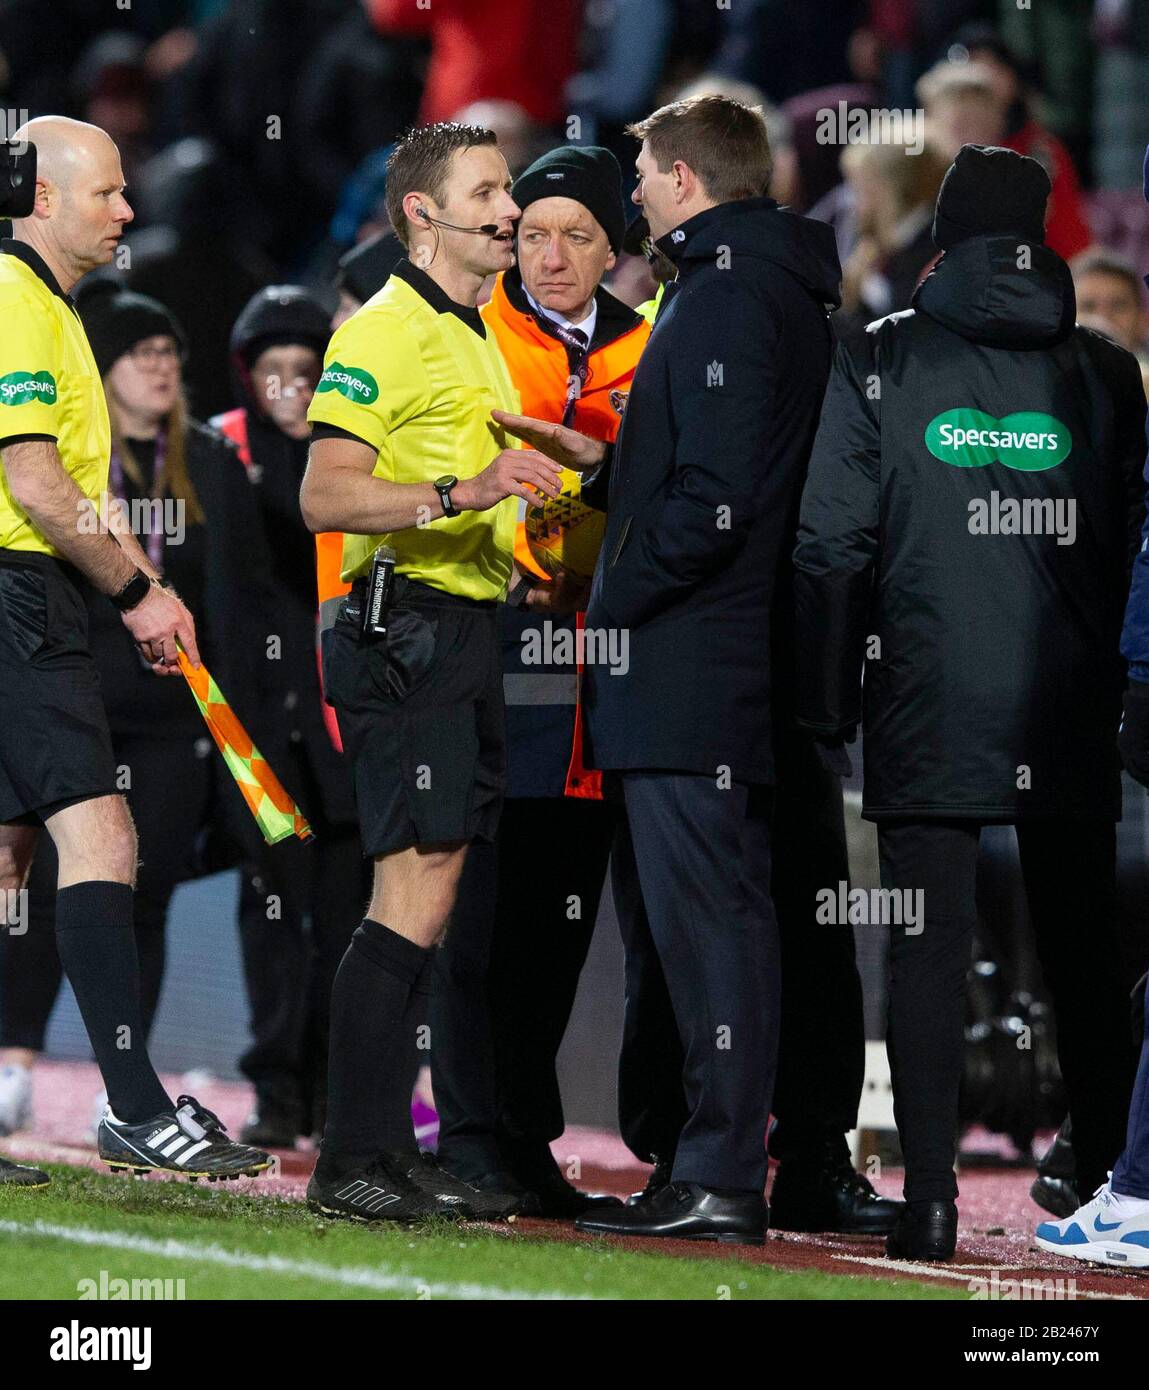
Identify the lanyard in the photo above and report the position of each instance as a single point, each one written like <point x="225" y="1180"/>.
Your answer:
<point x="155" y="538"/>
<point x="578" y="353"/>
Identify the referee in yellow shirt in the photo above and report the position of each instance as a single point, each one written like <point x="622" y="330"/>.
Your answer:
<point x="57" y="769"/>
<point x="405" y="456"/>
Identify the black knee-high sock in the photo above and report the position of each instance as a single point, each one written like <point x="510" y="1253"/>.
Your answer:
<point x="406" y="1059"/>
<point x="368" y="1003"/>
<point x="98" y="952"/>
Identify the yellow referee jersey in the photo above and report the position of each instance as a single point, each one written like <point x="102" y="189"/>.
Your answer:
<point x="50" y="387"/>
<point x="415" y="376"/>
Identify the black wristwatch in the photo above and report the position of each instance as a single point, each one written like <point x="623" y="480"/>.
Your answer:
<point x="517" y="597"/>
<point x="133" y="593"/>
<point x="443" y="487"/>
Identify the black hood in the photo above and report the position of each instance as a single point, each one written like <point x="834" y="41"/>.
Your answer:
<point x="978" y="291"/>
<point x="277" y="314"/>
<point x="759" y="227"/>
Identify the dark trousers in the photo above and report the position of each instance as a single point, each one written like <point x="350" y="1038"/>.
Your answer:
<point x="168" y="792"/>
<point x="1069" y="871"/>
<point x="691" y="879"/>
<point x="299" y="905"/>
<point x="508" y="973"/>
<point x="821" y="1058"/>
<point x="1131" y="1171"/>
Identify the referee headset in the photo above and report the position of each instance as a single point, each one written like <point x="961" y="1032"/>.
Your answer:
<point x="487" y="229"/>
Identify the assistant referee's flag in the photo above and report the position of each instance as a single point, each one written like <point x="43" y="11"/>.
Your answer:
<point x="275" y="813"/>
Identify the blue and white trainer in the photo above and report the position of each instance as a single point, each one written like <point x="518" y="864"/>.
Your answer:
<point x="188" y="1140"/>
<point x="1112" y="1229"/>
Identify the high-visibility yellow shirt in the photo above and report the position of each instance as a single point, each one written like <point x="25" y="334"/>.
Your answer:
<point x="50" y="387"/>
<point x="416" y="376"/>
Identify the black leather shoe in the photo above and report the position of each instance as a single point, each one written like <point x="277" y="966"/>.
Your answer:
<point x="658" y="1179"/>
<point x="1055" y="1187"/>
<point x="826" y="1193"/>
<point x="552" y="1198"/>
<point x="924" y="1231"/>
<point x="686" y="1211"/>
<point x="560" y="1200"/>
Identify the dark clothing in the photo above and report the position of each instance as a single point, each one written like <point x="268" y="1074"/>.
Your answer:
<point x="993" y="680"/>
<point x="297" y="911"/>
<point x="703" y="492"/>
<point x="691" y="868"/>
<point x="1131" y="1171"/>
<point x="98" y="952"/>
<point x="508" y="975"/>
<point x="821" y="1057"/>
<point x="1070" y="881"/>
<point x="421" y="714"/>
<point x="167" y="825"/>
<point x="56" y="746"/>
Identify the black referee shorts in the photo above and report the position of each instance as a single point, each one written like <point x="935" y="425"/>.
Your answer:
<point x="421" y="717"/>
<point x="55" y="747"/>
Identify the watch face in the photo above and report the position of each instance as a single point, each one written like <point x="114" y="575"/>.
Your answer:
<point x="447" y="480"/>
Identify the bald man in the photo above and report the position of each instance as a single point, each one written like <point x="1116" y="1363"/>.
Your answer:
<point x="57" y="770"/>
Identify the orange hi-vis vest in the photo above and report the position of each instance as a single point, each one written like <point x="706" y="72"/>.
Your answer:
<point x="233" y="425"/>
<point x="539" y="368"/>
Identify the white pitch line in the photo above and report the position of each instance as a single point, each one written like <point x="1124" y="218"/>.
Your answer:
<point x="350" y="1277"/>
<point x="962" y="1274"/>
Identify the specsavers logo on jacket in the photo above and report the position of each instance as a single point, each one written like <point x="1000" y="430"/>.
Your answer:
<point x="1026" y="440"/>
<point x="18" y="388"/>
<point x="353" y="382"/>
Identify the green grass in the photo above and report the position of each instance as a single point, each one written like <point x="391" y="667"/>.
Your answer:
<point x="310" y="1258"/>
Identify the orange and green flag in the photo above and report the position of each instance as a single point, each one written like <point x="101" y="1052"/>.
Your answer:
<point x="275" y="813"/>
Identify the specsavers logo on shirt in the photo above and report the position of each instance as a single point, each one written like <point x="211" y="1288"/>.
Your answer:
<point x="353" y="382"/>
<point x="18" y="388"/>
<point x="1026" y="440"/>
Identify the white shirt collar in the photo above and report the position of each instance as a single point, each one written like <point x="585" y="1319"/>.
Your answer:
<point x="587" y="325"/>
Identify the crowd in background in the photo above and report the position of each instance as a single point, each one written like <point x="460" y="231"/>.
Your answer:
<point x="254" y="133"/>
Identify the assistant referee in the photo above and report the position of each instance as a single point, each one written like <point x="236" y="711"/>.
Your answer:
<point x="57" y="768"/>
<point x="405" y="454"/>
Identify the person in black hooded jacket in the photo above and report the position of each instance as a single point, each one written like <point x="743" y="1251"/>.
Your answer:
<point x="967" y="531"/>
<point x="299" y="903"/>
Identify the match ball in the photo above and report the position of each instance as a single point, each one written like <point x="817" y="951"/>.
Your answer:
<point x="564" y="533"/>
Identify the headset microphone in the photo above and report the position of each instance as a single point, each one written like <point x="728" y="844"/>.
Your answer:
<point x="487" y="229"/>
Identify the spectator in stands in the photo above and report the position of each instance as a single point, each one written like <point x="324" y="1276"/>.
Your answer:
<point x="361" y="90"/>
<point x="1110" y="298"/>
<point x="893" y="195"/>
<point x="244" y="89"/>
<point x="957" y="109"/>
<point x="194" y="255"/>
<point x="523" y="51"/>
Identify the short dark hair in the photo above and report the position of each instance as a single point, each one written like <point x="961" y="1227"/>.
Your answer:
<point x="421" y="162"/>
<point x="1099" y="261"/>
<point x="723" y="141"/>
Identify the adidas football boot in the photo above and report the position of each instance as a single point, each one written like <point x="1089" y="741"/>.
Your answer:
<point x="188" y="1140"/>
<point x="375" y="1191"/>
